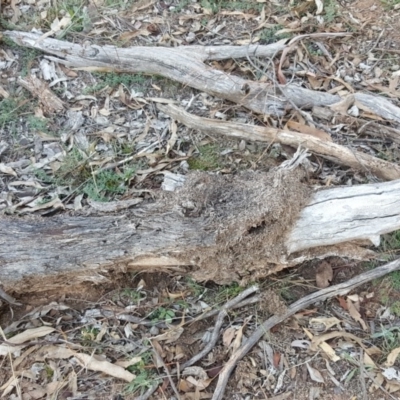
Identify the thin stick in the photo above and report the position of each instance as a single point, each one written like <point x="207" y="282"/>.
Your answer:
<point x="220" y="319"/>
<point x="321" y="295"/>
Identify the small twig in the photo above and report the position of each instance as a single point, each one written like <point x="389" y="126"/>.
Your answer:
<point x="274" y="80"/>
<point x="161" y="324"/>
<point x="149" y="392"/>
<point x="220" y="319"/>
<point x="17" y="382"/>
<point x="215" y="311"/>
<point x="362" y="375"/>
<point x="321" y="295"/>
<point x="161" y="361"/>
<point x="377" y="41"/>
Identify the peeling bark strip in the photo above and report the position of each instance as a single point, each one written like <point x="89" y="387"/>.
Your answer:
<point x="186" y="65"/>
<point x="331" y="151"/>
<point x="38" y="254"/>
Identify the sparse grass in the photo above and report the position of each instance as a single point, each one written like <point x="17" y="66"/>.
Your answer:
<point x="114" y="79"/>
<point x="208" y="158"/>
<point x="38" y="124"/>
<point x="143" y="381"/>
<point x="163" y="314"/>
<point x="195" y="288"/>
<point x="225" y="293"/>
<point x="26" y="55"/>
<point x="76" y="173"/>
<point x="388" y="287"/>
<point x="389" y="4"/>
<point x="11" y="109"/>
<point x="268" y="35"/>
<point x="314" y="50"/>
<point x="389" y="250"/>
<point x="181" y="5"/>
<point x="133" y="296"/>
<point x="88" y="335"/>
<point x="107" y="184"/>
<point x="395" y="308"/>
<point x="331" y="10"/>
<point x="214" y="6"/>
<point x="145" y="376"/>
<point x="389" y="339"/>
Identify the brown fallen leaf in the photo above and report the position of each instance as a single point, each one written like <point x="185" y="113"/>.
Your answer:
<point x="342" y="303"/>
<point x="355" y="314"/>
<point x="391" y="358"/>
<point x="324" y="275"/>
<point x="315" y="375"/>
<point x="93" y="364"/>
<point x="277" y="359"/>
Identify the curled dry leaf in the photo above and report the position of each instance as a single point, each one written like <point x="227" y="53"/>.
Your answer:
<point x="324" y="275"/>
<point x="391" y="358"/>
<point x="195" y="371"/>
<point x="201" y="384"/>
<point x="320" y="7"/>
<point x="106" y="367"/>
<point x="228" y="336"/>
<point x="325" y="347"/>
<point x="7" y="170"/>
<point x="327" y="322"/>
<point x="171" y="335"/>
<point x="355" y="314"/>
<point x="302" y="344"/>
<point x="214" y="371"/>
<point x="315" y="375"/>
<point x="24" y="337"/>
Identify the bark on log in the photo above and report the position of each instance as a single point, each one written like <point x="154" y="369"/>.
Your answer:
<point x="39" y="254"/>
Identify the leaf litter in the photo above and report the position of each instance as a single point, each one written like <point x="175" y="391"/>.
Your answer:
<point x="111" y="148"/>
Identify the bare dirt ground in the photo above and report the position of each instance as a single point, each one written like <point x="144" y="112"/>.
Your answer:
<point x="128" y="337"/>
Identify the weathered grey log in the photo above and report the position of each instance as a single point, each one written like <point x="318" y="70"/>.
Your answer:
<point x="42" y="253"/>
<point x="339" y="154"/>
<point x="186" y="65"/>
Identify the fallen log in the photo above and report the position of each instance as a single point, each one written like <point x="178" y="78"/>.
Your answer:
<point x="326" y="149"/>
<point x="187" y="65"/>
<point x="223" y="228"/>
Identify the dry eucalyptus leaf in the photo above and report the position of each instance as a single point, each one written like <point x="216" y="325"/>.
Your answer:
<point x="23" y="337"/>
<point x="195" y="371"/>
<point x="7" y="170"/>
<point x="91" y="363"/>
<point x="324" y="275"/>
<point x="355" y="314"/>
<point x="228" y="336"/>
<point x="315" y="375"/>
<point x="327" y="322"/>
<point x="391" y="358"/>
<point x="171" y="335"/>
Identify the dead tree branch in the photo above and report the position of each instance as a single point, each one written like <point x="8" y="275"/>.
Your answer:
<point x="322" y="295"/>
<point x="186" y="65"/>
